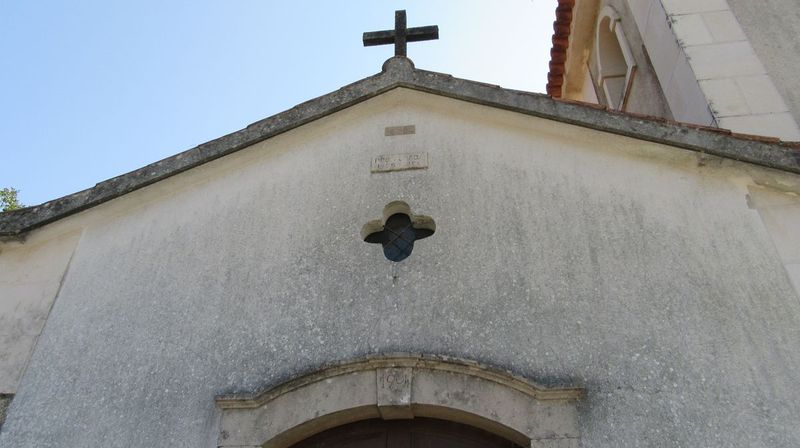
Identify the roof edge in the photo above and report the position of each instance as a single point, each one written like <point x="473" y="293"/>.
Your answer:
<point x="400" y="72"/>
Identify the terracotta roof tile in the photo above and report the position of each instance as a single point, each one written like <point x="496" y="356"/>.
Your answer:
<point x="759" y="138"/>
<point x="558" y="53"/>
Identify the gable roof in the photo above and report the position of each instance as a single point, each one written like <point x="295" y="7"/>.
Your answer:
<point x="400" y="72"/>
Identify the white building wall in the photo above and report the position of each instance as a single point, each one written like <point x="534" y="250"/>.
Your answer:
<point x="780" y="212"/>
<point x="681" y="89"/>
<point x="773" y="29"/>
<point x="709" y="70"/>
<point x="30" y="277"/>
<point x="561" y="253"/>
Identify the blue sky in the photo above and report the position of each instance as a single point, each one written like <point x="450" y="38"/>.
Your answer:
<point x="94" y="89"/>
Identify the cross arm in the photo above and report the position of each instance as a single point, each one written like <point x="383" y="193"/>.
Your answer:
<point x="386" y="37"/>
<point x="373" y="38"/>
<point x="422" y="33"/>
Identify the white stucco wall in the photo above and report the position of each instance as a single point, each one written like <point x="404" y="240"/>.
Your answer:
<point x="780" y="212"/>
<point x="564" y="254"/>
<point x="30" y="277"/>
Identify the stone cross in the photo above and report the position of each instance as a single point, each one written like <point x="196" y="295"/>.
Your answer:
<point x="400" y="34"/>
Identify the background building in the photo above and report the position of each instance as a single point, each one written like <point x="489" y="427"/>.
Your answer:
<point x="729" y="64"/>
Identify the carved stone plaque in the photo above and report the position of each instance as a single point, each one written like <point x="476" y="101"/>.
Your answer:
<point x="400" y="162"/>
<point x="394" y="392"/>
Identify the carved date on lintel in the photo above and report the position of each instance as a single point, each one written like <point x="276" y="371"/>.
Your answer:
<point x="394" y="392"/>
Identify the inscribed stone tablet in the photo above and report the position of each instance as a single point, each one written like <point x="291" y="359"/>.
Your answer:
<point x="400" y="162"/>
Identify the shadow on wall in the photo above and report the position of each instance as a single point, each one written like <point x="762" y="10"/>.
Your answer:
<point x="5" y="402"/>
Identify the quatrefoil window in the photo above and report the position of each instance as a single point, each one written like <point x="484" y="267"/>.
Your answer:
<point x="398" y="230"/>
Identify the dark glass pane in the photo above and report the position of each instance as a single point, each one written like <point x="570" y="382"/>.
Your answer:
<point x="400" y="237"/>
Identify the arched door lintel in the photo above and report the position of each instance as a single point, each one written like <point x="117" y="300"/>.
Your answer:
<point x="400" y="387"/>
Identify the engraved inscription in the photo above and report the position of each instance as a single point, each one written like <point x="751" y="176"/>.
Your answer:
<point x="400" y="162"/>
<point x="394" y="392"/>
<point x="395" y="380"/>
<point x="391" y="131"/>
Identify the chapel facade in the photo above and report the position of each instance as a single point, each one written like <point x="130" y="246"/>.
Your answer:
<point x="420" y="260"/>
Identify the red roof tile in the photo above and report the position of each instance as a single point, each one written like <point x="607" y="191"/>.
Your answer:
<point x="558" y="53"/>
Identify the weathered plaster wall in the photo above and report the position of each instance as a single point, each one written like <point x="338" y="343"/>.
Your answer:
<point x="780" y="211"/>
<point x="561" y="253"/>
<point x="30" y="276"/>
<point x="773" y="29"/>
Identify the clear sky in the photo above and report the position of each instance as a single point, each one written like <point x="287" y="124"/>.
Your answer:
<point x="94" y="89"/>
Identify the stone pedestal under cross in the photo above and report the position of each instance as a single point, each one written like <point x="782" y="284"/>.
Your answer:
<point x="400" y="35"/>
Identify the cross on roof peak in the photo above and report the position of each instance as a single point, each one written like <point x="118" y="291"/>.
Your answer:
<point x="400" y="34"/>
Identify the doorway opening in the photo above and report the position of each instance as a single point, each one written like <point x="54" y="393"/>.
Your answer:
<point x="414" y="433"/>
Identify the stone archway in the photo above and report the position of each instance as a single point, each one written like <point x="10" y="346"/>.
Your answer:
<point x="403" y="387"/>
